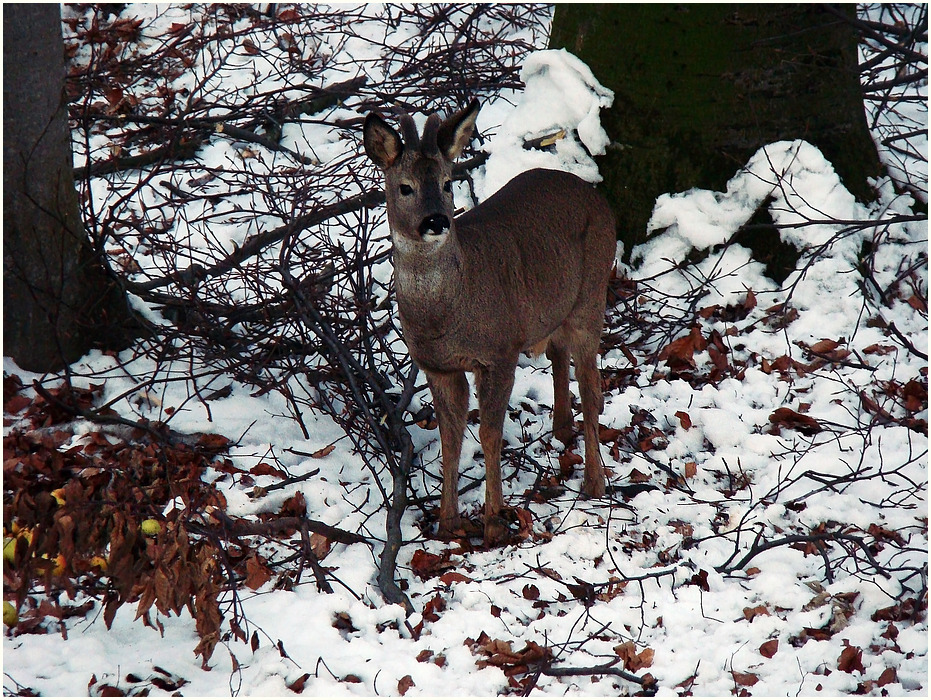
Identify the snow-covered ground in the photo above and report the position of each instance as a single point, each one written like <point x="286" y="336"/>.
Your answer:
<point x="777" y="412"/>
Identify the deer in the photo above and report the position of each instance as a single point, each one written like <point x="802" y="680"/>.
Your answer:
<point x="524" y="271"/>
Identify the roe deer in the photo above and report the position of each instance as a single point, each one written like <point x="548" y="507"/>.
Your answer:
<point x="526" y="270"/>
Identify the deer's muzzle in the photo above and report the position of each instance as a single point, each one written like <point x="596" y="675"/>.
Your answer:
<point x="437" y="225"/>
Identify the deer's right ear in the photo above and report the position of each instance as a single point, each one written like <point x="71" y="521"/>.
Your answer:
<point x="382" y="143"/>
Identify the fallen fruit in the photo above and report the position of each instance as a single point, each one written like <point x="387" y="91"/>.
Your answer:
<point x="150" y="527"/>
<point x="10" y="616"/>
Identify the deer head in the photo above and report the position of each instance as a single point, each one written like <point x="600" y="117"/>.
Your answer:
<point x="418" y="173"/>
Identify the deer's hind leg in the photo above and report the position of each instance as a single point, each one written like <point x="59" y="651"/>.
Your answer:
<point x="586" y="371"/>
<point x="557" y="351"/>
<point x="584" y="335"/>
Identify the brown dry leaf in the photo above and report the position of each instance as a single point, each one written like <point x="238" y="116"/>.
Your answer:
<point x="638" y="477"/>
<point x="213" y="442"/>
<point x="888" y="676"/>
<point x="824" y="346"/>
<point x="323" y="451"/>
<point x="634" y="661"/>
<point x="750" y="613"/>
<point x="257" y="574"/>
<point x="298" y="685"/>
<point x="678" y="354"/>
<point x="320" y="545"/>
<point x="608" y="435"/>
<point x="680" y="527"/>
<point x="769" y="649"/>
<point x="700" y="579"/>
<point x="405" y="684"/>
<point x="850" y="660"/>
<point x="877" y="349"/>
<point x="684" y="420"/>
<point x="530" y="592"/>
<point x="691" y="469"/>
<point x="745" y="678"/>
<point x="451" y="577"/>
<point x="296" y="505"/>
<point x="568" y="460"/>
<point x="787" y="418"/>
<point x="427" y="565"/>
<point x="265" y="469"/>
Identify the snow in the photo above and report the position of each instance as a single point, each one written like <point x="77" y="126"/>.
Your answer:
<point x="749" y="477"/>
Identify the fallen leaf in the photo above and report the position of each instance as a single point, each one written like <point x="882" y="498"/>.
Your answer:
<point x="700" y="579"/>
<point x="298" y="685"/>
<point x="257" y="574"/>
<point x="850" y="660"/>
<point x="745" y="678"/>
<point x="323" y="451"/>
<point x="769" y="649"/>
<point x="427" y="565"/>
<point x="750" y="613"/>
<point x="451" y="577"/>
<point x="888" y="676"/>
<point x="568" y="460"/>
<point x="786" y="417"/>
<point x="633" y="660"/>
<point x="678" y="354"/>
<point x="684" y="419"/>
<point x="824" y="346"/>
<point x="265" y="469"/>
<point x="405" y="684"/>
<point x="319" y="545"/>
<point x="530" y="592"/>
<point x="638" y="477"/>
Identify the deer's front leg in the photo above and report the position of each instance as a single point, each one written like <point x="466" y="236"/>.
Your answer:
<point x="451" y="403"/>
<point x="494" y="386"/>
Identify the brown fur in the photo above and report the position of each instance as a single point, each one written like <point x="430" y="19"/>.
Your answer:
<point x="526" y="270"/>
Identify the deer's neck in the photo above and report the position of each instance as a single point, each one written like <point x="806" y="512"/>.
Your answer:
<point x="428" y="282"/>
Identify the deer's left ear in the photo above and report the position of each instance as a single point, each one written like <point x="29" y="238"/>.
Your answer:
<point x="455" y="132"/>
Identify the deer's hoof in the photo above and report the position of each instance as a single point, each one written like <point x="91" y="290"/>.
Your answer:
<point x="496" y="531"/>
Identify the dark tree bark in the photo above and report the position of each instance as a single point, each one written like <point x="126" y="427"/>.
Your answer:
<point x="700" y="87"/>
<point x="57" y="300"/>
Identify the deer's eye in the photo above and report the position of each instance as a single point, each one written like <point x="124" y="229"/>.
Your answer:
<point x="448" y="186"/>
<point x="406" y="190"/>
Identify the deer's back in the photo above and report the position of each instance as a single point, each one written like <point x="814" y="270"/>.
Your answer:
<point x="533" y="253"/>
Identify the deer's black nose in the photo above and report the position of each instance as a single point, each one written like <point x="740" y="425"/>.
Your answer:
<point x="437" y="224"/>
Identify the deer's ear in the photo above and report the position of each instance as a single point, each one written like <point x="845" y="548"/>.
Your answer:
<point x="382" y="143"/>
<point x="456" y="131"/>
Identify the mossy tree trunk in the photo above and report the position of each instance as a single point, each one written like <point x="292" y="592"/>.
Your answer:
<point x="57" y="300"/>
<point x="700" y="87"/>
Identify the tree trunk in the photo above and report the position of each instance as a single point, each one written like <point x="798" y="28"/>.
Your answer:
<point x="57" y="300"/>
<point x="700" y="87"/>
